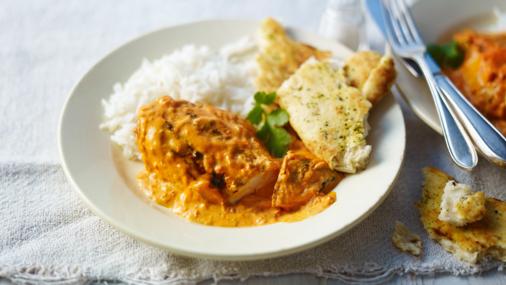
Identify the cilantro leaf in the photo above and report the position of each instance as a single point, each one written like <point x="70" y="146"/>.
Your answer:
<point x="278" y="117"/>
<point x="279" y="141"/>
<point x="265" y="98"/>
<point x="264" y="132"/>
<point x="449" y="54"/>
<point x="255" y="115"/>
<point x="269" y="125"/>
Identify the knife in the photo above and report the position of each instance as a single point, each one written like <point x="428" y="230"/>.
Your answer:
<point x="488" y="140"/>
<point x="373" y="9"/>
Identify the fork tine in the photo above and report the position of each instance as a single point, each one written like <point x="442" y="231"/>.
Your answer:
<point x="406" y="13"/>
<point x="399" y="16"/>
<point x="394" y="32"/>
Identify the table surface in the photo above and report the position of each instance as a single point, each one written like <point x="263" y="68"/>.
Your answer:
<point x="302" y="13"/>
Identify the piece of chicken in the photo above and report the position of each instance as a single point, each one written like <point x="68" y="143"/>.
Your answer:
<point x="302" y="177"/>
<point x="329" y="116"/>
<point x="280" y="56"/>
<point x="371" y="73"/>
<point x="200" y="146"/>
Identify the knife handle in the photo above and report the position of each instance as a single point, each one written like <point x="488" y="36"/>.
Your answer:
<point x="459" y="144"/>
<point x="489" y="141"/>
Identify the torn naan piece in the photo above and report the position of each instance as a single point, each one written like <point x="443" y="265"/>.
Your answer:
<point x="331" y="117"/>
<point x="472" y="242"/>
<point x="280" y="56"/>
<point x="370" y="72"/>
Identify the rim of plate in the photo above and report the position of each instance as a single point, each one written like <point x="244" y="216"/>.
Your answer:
<point x="210" y="254"/>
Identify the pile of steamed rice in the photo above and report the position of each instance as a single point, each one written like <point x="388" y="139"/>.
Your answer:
<point x="223" y="78"/>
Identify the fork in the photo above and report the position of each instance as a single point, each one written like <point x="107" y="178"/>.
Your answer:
<point x="406" y="42"/>
<point x="487" y="139"/>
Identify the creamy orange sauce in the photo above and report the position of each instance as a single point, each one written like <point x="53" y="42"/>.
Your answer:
<point x="207" y="165"/>
<point x="252" y="210"/>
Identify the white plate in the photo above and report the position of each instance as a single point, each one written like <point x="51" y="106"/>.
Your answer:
<point x="437" y="20"/>
<point x="87" y="157"/>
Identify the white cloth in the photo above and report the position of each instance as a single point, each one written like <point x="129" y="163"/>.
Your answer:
<point x="47" y="235"/>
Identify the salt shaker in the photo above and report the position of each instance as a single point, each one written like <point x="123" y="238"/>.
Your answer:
<point x="343" y="21"/>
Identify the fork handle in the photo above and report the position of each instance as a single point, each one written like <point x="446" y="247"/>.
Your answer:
<point x="457" y="141"/>
<point x="489" y="141"/>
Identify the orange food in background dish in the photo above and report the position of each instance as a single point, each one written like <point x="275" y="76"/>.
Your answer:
<point x="482" y="75"/>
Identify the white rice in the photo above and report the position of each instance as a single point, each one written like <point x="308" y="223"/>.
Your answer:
<point x="223" y="78"/>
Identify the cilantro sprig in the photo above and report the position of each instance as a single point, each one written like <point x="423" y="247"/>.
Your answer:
<point x="448" y="55"/>
<point x="269" y="125"/>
